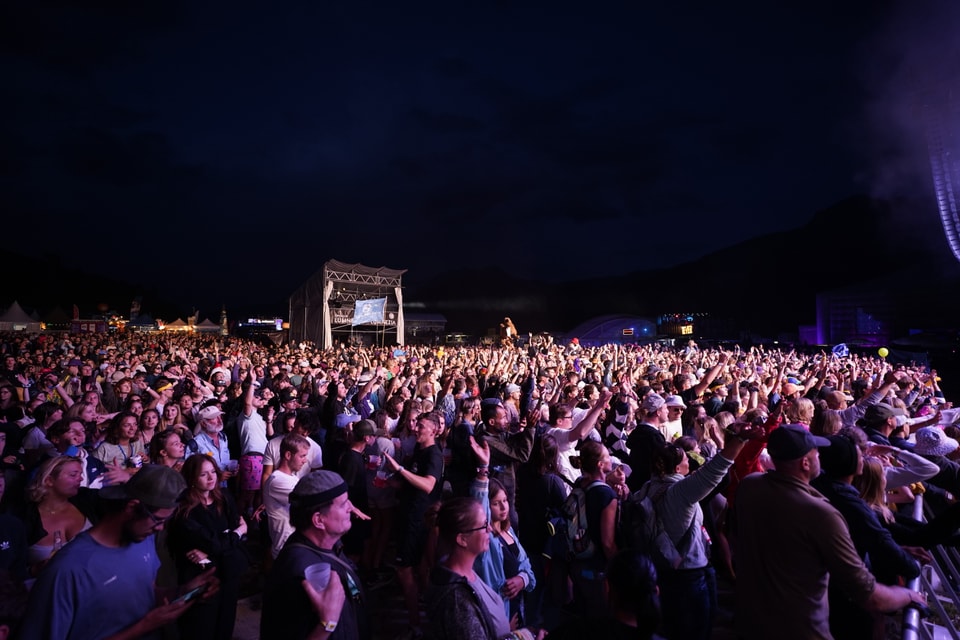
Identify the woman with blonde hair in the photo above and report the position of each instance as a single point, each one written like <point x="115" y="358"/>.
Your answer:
<point x="171" y="416"/>
<point x="872" y="486"/>
<point x="800" y="411"/>
<point x="51" y="517"/>
<point x="709" y="435"/>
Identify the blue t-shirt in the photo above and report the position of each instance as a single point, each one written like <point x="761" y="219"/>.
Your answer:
<point x="89" y="591"/>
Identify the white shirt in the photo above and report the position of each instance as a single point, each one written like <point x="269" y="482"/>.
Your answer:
<point x="271" y="456"/>
<point x="276" y="503"/>
<point x="566" y="447"/>
<point x="253" y="433"/>
<point x="671" y="430"/>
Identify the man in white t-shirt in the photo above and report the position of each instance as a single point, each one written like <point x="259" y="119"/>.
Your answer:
<point x="271" y="456"/>
<point x="254" y="431"/>
<point x="567" y="436"/>
<point x="294" y="452"/>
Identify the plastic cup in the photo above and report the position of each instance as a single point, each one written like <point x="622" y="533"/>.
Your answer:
<point x="318" y="575"/>
<point x="373" y="462"/>
<point x="231" y="466"/>
<point x="380" y="479"/>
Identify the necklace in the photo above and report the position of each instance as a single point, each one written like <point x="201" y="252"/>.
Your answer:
<point x="55" y="510"/>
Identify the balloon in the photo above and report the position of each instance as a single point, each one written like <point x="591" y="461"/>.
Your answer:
<point x="883" y="352"/>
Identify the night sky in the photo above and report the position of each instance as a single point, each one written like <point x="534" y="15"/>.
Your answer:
<point x="226" y="150"/>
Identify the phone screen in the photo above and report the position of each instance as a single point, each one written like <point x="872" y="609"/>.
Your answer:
<point x="193" y="593"/>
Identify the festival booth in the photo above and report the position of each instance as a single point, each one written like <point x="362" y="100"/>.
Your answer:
<point x="348" y="303"/>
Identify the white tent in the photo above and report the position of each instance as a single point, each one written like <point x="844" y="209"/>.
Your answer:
<point x="16" y="319"/>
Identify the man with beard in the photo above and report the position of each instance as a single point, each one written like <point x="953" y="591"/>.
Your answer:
<point x="210" y="439"/>
<point x="102" y="585"/>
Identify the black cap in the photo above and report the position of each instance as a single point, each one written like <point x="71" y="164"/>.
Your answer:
<point x="793" y="441"/>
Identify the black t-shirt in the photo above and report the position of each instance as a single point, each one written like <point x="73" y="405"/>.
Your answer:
<point x="426" y="462"/>
<point x="643" y="442"/>
<point x="541" y="495"/>
<point x="354" y="473"/>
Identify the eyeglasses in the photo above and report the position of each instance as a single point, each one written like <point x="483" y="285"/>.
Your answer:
<point x="154" y="519"/>
<point x="486" y="525"/>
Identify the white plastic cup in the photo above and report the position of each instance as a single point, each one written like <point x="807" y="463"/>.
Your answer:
<point x="318" y="575"/>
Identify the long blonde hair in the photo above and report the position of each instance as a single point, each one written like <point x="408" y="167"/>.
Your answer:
<point x="872" y="487"/>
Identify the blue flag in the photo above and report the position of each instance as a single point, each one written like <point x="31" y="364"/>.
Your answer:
<point x="365" y="311"/>
<point x="841" y="350"/>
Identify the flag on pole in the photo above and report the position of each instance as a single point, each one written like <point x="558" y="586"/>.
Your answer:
<point x="365" y="311"/>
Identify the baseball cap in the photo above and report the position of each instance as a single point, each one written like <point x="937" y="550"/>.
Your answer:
<point x="840" y="458"/>
<point x="343" y="419"/>
<point x="876" y="413"/>
<point x="365" y="428"/>
<point x="209" y="413"/>
<point x="156" y="486"/>
<point x="792" y="441"/>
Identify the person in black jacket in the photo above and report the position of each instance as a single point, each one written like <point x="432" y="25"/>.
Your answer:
<point x="208" y="527"/>
<point x="840" y="462"/>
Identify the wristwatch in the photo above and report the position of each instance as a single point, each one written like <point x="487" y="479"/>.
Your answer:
<point x="329" y="625"/>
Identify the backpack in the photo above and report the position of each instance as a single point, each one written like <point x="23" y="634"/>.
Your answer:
<point x="642" y="529"/>
<point x="568" y="530"/>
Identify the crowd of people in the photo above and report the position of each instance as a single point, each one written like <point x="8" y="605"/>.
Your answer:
<point x="499" y="486"/>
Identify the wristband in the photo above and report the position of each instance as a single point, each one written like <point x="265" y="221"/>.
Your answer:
<point x="329" y="625"/>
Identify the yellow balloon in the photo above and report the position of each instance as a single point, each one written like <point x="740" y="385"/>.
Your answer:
<point x="883" y="352"/>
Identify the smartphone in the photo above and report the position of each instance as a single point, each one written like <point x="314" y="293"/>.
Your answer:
<point x="190" y="595"/>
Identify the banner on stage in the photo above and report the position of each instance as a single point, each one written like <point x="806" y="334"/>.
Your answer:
<point x="367" y="311"/>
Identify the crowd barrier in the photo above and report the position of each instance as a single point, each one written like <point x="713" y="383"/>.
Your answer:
<point x="940" y="581"/>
